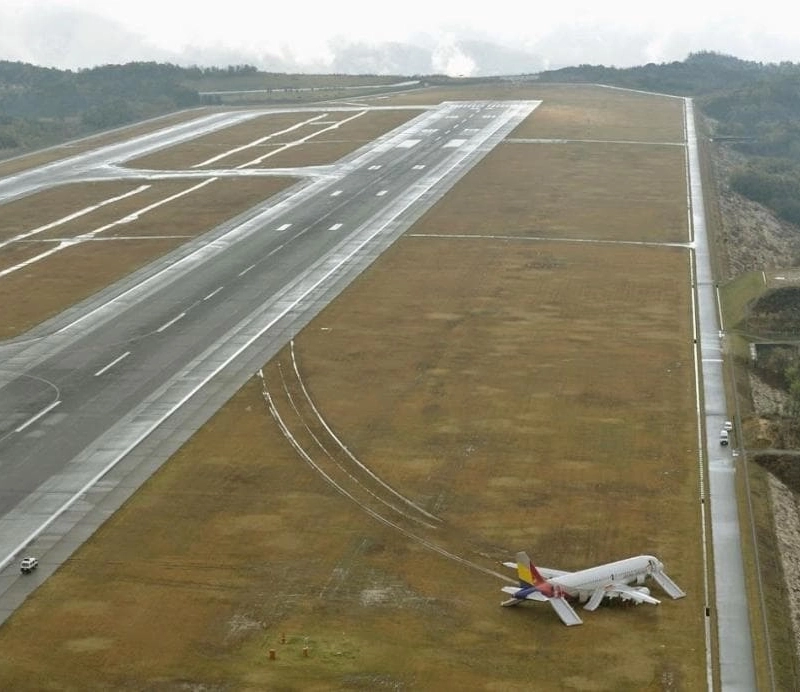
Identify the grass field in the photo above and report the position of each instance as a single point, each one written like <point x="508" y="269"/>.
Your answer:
<point x="511" y="387"/>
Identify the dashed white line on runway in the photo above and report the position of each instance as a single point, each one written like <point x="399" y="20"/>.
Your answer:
<point x="213" y="293"/>
<point x="41" y="413"/>
<point x="112" y="364"/>
<point x="166" y="325"/>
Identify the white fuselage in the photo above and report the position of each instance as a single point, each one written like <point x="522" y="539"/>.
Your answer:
<point x="622" y="571"/>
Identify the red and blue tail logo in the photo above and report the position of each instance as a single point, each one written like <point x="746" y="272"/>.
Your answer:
<point x="527" y="572"/>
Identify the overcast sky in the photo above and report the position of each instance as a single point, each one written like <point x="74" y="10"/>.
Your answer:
<point x="399" y="37"/>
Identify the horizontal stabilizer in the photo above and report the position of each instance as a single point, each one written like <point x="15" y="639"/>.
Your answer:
<point x="530" y="596"/>
<point x="668" y="585"/>
<point x="564" y="610"/>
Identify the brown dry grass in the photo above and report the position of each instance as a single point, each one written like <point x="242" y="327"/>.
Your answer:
<point x="575" y="111"/>
<point x="584" y="191"/>
<point x="531" y="394"/>
<point x="33" y="293"/>
<point x="45" y="207"/>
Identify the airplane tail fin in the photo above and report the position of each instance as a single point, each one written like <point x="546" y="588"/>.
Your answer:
<point x="527" y="572"/>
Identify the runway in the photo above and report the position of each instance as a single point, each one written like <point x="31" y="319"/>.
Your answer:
<point x="95" y="400"/>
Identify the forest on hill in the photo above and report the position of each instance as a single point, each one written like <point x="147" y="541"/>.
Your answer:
<point x="754" y="106"/>
<point x="41" y="106"/>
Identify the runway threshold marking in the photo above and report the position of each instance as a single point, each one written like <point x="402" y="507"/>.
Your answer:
<point x="112" y="363"/>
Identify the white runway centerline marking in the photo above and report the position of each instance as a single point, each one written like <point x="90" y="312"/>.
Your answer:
<point x="213" y="293"/>
<point x="41" y="413"/>
<point x="381" y="193"/>
<point x="335" y="227"/>
<point x="166" y="325"/>
<point x="284" y="226"/>
<point x="112" y="364"/>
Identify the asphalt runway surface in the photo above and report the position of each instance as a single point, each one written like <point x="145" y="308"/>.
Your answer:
<point x="92" y="402"/>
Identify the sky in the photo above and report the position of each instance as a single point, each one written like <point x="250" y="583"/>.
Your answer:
<point x="402" y="37"/>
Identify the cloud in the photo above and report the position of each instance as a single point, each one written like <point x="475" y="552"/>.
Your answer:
<point x="448" y="58"/>
<point x="361" y="38"/>
<point x="70" y="39"/>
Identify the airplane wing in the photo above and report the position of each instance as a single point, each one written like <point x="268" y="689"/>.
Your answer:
<point x="627" y="592"/>
<point x="618" y="590"/>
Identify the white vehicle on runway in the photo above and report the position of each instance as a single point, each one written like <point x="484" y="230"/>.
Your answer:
<point x="28" y="564"/>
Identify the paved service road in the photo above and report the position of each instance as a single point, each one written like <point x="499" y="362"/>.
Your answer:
<point x="104" y="393"/>
<point x="737" y="669"/>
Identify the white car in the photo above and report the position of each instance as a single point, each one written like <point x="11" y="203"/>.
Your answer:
<point x="723" y="437"/>
<point x="28" y="564"/>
